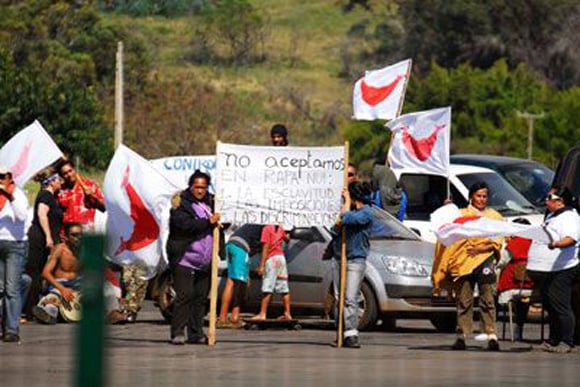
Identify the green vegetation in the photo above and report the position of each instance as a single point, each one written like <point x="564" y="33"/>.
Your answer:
<point x="198" y="71"/>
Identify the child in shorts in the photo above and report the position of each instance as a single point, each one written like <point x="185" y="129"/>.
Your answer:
<point x="273" y="270"/>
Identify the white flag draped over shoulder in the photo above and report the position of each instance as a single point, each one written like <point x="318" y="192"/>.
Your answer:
<point x="28" y="152"/>
<point x="420" y="142"/>
<point x="138" y="199"/>
<point x="450" y="226"/>
<point x="380" y="93"/>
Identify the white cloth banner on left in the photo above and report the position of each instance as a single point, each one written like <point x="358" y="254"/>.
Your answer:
<point x="420" y="142"/>
<point x="28" y="152"/>
<point x="380" y="93"/>
<point x="138" y="199"/>
<point x="289" y="186"/>
<point x="450" y="226"/>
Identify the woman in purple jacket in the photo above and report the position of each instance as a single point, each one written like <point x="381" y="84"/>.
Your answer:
<point x="189" y="249"/>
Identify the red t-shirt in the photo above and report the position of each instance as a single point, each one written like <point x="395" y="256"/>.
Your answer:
<point x="76" y="206"/>
<point x="274" y="236"/>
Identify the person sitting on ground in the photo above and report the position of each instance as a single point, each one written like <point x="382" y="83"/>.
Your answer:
<point x="62" y="274"/>
<point x="243" y="243"/>
<point x="273" y="270"/>
<point x="513" y="282"/>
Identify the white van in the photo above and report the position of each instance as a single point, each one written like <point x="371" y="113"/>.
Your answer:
<point x="426" y="193"/>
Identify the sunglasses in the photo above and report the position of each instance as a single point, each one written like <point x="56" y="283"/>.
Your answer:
<point x="351" y="174"/>
<point x="553" y="197"/>
<point x="3" y="176"/>
<point x="76" y="234"/>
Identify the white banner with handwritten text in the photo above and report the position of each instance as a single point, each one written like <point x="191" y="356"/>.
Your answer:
<point x="290" y="186"/>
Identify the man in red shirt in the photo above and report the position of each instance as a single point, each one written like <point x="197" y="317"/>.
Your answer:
<point x="79" y="197"/>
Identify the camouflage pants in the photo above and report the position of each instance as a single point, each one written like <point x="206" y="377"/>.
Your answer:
<point x="135" y="287"/>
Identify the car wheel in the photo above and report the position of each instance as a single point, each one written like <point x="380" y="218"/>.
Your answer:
<point x="368" y="310"/>
<point x="444" y="322"/>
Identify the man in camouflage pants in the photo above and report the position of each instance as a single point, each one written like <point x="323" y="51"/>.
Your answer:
<point x="135" y="286"/>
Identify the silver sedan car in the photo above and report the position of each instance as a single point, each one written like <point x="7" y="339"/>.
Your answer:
<point x="397" y="279"/>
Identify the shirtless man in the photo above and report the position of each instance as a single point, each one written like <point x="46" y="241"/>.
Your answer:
<point x="62" y="274"/>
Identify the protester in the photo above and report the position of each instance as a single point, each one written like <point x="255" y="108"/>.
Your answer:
<point x="44" y="233"/>
<point x="387" y="191"/>
<point x="352" y="173"/>
<point x="279" y="135"/>
<point x="79" y="197"/>
<point x="273" y="270"/>
<point x="514" y="284"/>
<point x="13" y="246"/>
<point x="554" y="267"/>
<point x="189" y="249"/>
<point x="466" y="263"/>
<point x="242" y="244"/>
<point x="61" y="272"/>
<point x="356" y="218"/>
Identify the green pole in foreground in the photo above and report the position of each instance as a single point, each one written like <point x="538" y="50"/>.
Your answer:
<point x="90" y="340"/>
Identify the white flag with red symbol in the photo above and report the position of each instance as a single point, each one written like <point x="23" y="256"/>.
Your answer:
<point x="138" y="199"/>
<point x="28" y="152"/>
<point x="450" y="226"/>
<point x="420" y="142"/>
<point x="380" y="93"/>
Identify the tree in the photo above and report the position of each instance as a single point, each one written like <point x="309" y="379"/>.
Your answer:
<point x="233" y="31"/>
<point x="57" y="60"/>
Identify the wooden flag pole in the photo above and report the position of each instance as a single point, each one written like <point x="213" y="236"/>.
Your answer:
<point x="342" y="262"/>
<point x="214" y="286"/>
<point x="214" y="275"/>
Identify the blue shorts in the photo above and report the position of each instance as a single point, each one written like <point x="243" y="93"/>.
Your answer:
<point x="238" y="262"/>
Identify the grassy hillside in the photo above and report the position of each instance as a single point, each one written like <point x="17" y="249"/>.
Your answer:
<point x="298" y="83"/>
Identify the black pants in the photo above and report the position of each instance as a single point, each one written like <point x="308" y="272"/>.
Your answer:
<point x="191" y="288"/>
<point x="37" y="256"/>
<point x="556" y="291"/>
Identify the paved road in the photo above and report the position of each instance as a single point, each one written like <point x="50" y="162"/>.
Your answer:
<point x="414" y="354"/>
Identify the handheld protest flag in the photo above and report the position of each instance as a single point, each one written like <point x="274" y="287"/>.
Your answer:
<point x="380" y="93"/>
<point x="137" y="198"/>
<point x="28" y="152"/>
<point x="420" y="142"/>
<point x="342" y="288"/>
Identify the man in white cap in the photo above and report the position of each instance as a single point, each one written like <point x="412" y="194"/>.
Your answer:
<point x="13" y="247"/>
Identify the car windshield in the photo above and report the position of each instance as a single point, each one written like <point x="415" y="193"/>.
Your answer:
<point x="386" y="226"/>
<point x="532" y="180"/>
<point x="503" y="197"/>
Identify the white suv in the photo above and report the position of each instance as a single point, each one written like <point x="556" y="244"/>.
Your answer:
<point x="426" y="193"/>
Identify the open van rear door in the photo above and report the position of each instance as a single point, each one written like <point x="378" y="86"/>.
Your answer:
<point x="568" y="172"/>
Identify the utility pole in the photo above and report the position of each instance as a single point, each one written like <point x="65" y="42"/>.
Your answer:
<point x="119" y="96"/>
<point x="530" y="118"/>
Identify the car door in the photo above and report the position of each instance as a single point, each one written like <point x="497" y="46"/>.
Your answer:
<point x="308" y="275"/>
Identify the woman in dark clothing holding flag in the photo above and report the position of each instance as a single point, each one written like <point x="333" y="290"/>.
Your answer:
<point x="189" y="249"/>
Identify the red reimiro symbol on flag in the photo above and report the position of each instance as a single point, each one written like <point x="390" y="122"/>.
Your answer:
<point x="421" y="148"/>
<point x="146" y="230"/>
<point x="375" y="95"/>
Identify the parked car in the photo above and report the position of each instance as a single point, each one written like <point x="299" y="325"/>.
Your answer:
<point x="531" y="178"/>
<point x="426" y="193"/>
<point x="397" y="280"/>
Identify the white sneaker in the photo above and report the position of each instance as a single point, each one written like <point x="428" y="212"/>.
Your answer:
<point x="481" y="337"/>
